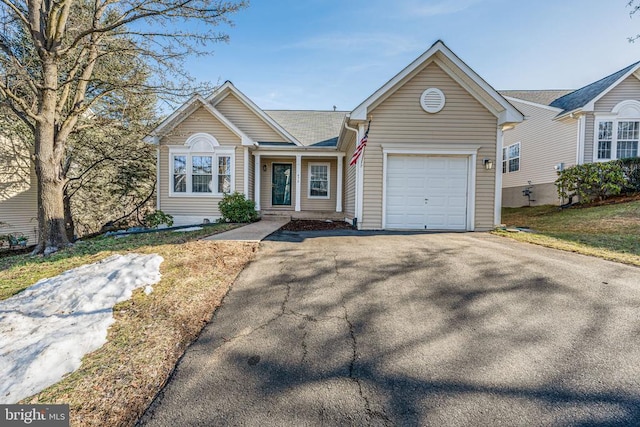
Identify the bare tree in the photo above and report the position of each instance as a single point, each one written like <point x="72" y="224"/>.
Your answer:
<point x="52" y="71"/>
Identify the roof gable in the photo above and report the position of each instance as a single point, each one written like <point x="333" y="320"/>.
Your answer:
<point x="458" y="70"/>
<point x="228" y="88"/>
<point x="585" y="97"/>
<point x="193" y="104"/>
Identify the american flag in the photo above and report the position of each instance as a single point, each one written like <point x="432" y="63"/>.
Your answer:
<point x="360" y="147"/>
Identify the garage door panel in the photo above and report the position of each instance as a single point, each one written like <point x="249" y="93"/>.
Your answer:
<point x="442" y="181"/>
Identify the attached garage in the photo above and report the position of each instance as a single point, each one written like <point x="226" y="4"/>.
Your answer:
<point x="428" y="192"/>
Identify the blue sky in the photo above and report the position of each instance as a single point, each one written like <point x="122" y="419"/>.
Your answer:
<point x="314" y="54"/>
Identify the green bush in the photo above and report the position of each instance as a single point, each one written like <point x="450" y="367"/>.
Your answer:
<point x="631" y="170"/>
<point x="591" y="181"/>
<point x="156" y="218"/>
<point x="236" y="208"/>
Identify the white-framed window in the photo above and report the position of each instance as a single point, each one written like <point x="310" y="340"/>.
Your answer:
<point x="617" y="134"/>
<point x="511" y="158"/>
<point x="201" y="168"/>
<point x="319" y="180"/>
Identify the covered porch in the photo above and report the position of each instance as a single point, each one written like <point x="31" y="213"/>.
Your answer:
<point x="299" y="184"/>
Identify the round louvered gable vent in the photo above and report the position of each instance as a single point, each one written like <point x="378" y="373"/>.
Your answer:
<point x="432" y="100"/>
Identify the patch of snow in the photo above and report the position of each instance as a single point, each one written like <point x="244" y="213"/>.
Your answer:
<point x="148" y="289"/>
<point x="183" y="230"/>
<point x="47" y="329"/>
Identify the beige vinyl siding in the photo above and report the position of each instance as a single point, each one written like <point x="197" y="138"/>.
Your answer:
<point x="544" y="142"/>
<point x="350" y="181"/>
<point x="266" y="180"/>
<point x="200" y="206"/>
<point x="201" y="121"/>
<point x="629" y="88"/>
<point x="247" y="121"/>
<point x="400" y="119"/>
<point x="18" y="193"/>
<point x="589" y="137"/>
<point x="307" y="204"/>
<point x="197" y="206"/>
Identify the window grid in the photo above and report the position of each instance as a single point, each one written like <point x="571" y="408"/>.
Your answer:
<point x="194" y="174"/>
<point x="180" y="174"/>
<point x="319" y="181"/>
<point x="224" y="174"/>
<point x="511" y="158"/>
<point x="201" y="174"/>
<point x="617" y="139"/>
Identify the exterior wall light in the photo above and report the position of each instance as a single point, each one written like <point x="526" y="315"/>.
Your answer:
<point x="488" y="164"/>
<point x="264" y="168"/>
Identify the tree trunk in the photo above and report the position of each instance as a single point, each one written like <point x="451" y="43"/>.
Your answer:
<point x="70" y="226"/>
<point x="48" y="158"/>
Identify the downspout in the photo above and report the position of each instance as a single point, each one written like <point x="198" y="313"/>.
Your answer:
<point x="357" y="196"/>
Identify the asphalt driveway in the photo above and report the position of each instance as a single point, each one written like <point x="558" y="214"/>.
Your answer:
<point x="430" y="329"/>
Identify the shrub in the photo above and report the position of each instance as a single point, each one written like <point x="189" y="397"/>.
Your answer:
<point x="591" y="181"/>
<point x="631" y="170"/>
<point x="156" y="218"/>
<point x="236" y="208"/>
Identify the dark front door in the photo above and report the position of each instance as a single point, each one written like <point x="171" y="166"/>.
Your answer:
<point x="281" y="184"/>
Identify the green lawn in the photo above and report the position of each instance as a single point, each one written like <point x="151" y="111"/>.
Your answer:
<point x="599" y="230"/>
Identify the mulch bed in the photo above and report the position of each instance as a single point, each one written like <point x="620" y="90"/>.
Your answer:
<point x="624" y="198"/>
<point x="316" y="225"/>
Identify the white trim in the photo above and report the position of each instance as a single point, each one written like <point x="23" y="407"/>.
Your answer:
<point x="185" y="111"/>
<point x="199" y="137"/>
<point x="360" y="178"/>
<point x="158" y="174"/>
<point x="614" y="134"/>
<point x="215" y="154"/>
<point x="510" y="113"/>
<point x="591" y="105"/>
<point x="508" y="158"/>
<point x="292" y="153"/>
<point x="328" y="166"/>
<point x="471" y="178"/>
<point x="582" y="129"/>
<point x="298" y="181"/>
<point x="222" y="92"/>
<point x="533" y="104"/>
<point x="339" y="184"/>
<point x="623" y="106"/>
<point x="257" y="180"/>
<point x="246" y="173"/>
<point x="497" y="207"/>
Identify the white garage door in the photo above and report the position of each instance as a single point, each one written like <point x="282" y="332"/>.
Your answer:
<point x="426" y="192"/>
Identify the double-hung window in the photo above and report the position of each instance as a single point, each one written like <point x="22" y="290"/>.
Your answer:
<point x="617" y="135"/>
<point x="511" y="158"/>
<point x="201" y="167"/>
<point x="318" y="180"/>
<point x="617" y="139"/>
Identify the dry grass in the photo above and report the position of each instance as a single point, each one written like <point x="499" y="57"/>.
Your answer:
<point x="116" y="383"/>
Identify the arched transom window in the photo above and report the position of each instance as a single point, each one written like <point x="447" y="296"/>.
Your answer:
<point x="201" y="167"/>
<point x="617" y="134"/>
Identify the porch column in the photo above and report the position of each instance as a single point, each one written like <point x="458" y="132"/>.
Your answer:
<point x="256" y="179"/>
<point x="339" y="186"/>
<point x="298" y="180"/>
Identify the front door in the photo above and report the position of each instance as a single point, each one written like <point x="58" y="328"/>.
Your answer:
<point x="281" y="184"/>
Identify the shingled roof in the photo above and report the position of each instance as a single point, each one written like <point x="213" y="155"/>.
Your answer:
<point x="544" y="97"/>
<point x="311" y="128"/>
<point x="584" y="95"/>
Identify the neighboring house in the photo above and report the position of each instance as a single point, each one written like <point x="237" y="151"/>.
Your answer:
<point x="18" y="190"/>
<point x="435" y="135"/>
<point x="599" y="122"/>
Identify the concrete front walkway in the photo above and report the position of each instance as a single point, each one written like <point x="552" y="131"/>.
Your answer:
<point x="254" y="232"/>
<point x="446" y="329"/>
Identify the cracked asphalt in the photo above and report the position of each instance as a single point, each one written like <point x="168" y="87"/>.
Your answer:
<point x="414" y="329"/>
